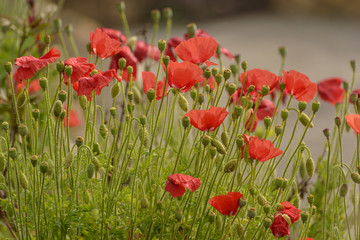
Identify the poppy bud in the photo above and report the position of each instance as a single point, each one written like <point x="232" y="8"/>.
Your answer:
<point x="251" y="213"/>
<point x="96" y="148"/>
<point x="278" y="129"/>
<point x="168" y="13"/>
<point x="144" y="203"/>
<point x="326" y="132"/>
<point x="178" y="215"/>
<point x="122" y="63"/>
<point x="34" y="160"/>
<point x="159" y="205"/>
<point x="8" y="67"/>
<point x="338" y="121"/>
<point x="83" y="102"/>
<point x="201" y="98"/>
<point x="244" y="65"/>
<point x="185" y="121"/>
<point x="150" y="94"/>
<point x="234" y="68"/>
<point x="297" y="201"/>
<point x="68" y="29"/>
<point x="238" y="110"/>
<point x="5" y="126"/>
<point x="250" y="88"/>
<point x="115" y="89"/>
<point x="144" y="136"/>
<point x="282" y="86"/>
<point x="302" y="168"/>
<point x="355" y="177"/>
<point x="97" y="164"/>
<point x="130" y="96"/>
<point x="261" y="199"/>
<point x="267" y="208"/>
<point x="68" y="160"/>
<point x="57" y="108"/>
<point x="227" y="74"/>
<point x="267" y="223"/>
<point x="79" y="141"/>
<point x="62" y="96"/>
<point x="88" y="48"/>
<point x="43" y="83"/>
<point x="354" y="97"/>
<point x="265" y="90"/>
<point x="242" y="201"/>
<point x="191" y="29"/>
<point x="279" y="182"/>
<point x="253" y="191"/>
<point x="310" y="199"/>
<point x="267" y="122"/>
<point x="239" y="229"/>
<point x="58" y="24"/>
<point x="310" y="167"/>
<point x="113" y="131"/>
<point x="219" y="146"/>
<point x="225" y="138"/>
<point x="23" y="130"/>
<point x="286" y="181"/>
<point x="155" y="15"/>
<point x="212" y="151"/>
<point x="113" y="111"/>
<point x="130" y="70"/>
<point x="68" y="70"/>
<point x="313" y="210"/>
<point x="302" y="106"/>
<point x="214" y="71"/>
<point x="23" y="181"/>
<point x="193" y="94"/>
<point x="315" y="106"/>
<point x="90" y="170"/>
<point x="218" y="78"/>
<point x="2" y="162"/>
<point x="231" y="89"/>
<point x="353" y="65"/>
<point x="12" y="153"/>
<point x="211" y="217"/>
<point x="44" y="167"/>
<point x="207" y="88"/>
<point x="183" y="103"/>
<point x="239" y="141"/>
<point x="305" y="120"/>
<point x="121" y="6"/>
<point x="143" y="120"/>
<point x="343" y="190"/>
<point x="304" y="216"/>
<point x="162" y="45"/>
<point x="282" y="51"/>
<point x="205" y="140"/>
<point x="103" y="131"/>
<point x="230" y="166"/>
<point x="60" y="65"/>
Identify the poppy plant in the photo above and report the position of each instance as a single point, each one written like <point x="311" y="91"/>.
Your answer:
<point x="279" y="227"/>
<point x="29" y="65"/>
<point x="207" y="120"/>
<point x="80" y="68"/>
<point x="131" y="60"/>
<point x="330" y="90"/>
<point x="259" y="78"/>
<point x="353" y="120"/>
<point x="176" y="184"/>
<point x="299" y="85"/>
<point x="149" y="80"/>
<point x="102" y="45"/>
<point x="34" y="86"/>
<point x="184" y="75"/>
<point x="262" y="149"/>
<point x="226" y="204"/>
<point x="291" y="211"/>
<point x="197" y="50"/>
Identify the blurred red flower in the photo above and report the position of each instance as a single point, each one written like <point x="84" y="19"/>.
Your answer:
<point x="259" y="78"/>
<point x="266" y="109"/>
<point x="29" y="65"/>
<point x="115" y="34"/>
<point x="74" y="120"/>
<point x="207" y="120"/>
<point x="226" y="204"/>
<point x="330" y="90"/>
<point x="102" y="45"/>
<point x="131" y="60"/>
<point x="280" y="227"/>
<point x="143" y="50"/>
<point x="211" y="82"/>
<point x="357" y="91"/>
<point x="81" y="68"/>
<point x="171" y="44"/>
<point x="197" y="50"/>
<point x="353" y="120"/>
<point x="149" y="80"/>
<point x="291" y="211"/>
<point x="34" y="86"/>
<point x="176" y="184"/>
<point x="299" y="85"/>
<point x="262" y="149"/>
<point x="184" y="75"/>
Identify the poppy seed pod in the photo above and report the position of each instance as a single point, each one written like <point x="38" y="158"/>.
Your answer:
<point x="310" y="167"/>
<point x="103" y="131"/>
<point x="113" y="111"/>
<point x="338" y="121"/>
<point x="191" y="29"/>
<point x="282" y="51"/>
<point x="230" y="166"/>
<point x="282" y="86"/>
<point x="346" y="86"/>
<point x="261" y="199"/>
<point x="150" y="94"/>
<point x="242" y="201"/>
<point x="244" y="65"/>
<point x="265" y="90"/>
<point x="168" y="13"/>
<point x="155" y="15"/>
<point x="234" y="69"/>
<point x="278" y="129"/>
<point x="251" y="213"/>
<point x="162" y="45"/>
<point x="2" y="162"/>
<point x="44" y="167"/>
<point x="130" y="96"/>
<point x="5" y="126"/>
<point x="267" y="208"/>
<point x="355" y="177"/>
<point x="219" y="146"/>
<point x="166" y="60"/>
<point x="23" y="130"/>
<point x="113" y="131"/>
<point x="227" y="74"/>
<point x="183" y="103"/>
<point x="279" y="181"/>
<point x="13" y="153"/>
<point x="211" y="217"/>
<point x="267" y="122"/>
<point x="305" y="120"/>
<point x="343" y="190"/>
<point x="218" y="78"/>
<point x="253" y="191"/>
<point x="58" y="24"/>
<point x="267" y="223"/>
<point x="68" y="70"/>
<point x="310" y="199"/>
<point x="212" y="151"/>
<point x="60" y="65"/>
<point x="207" y="73"/>
<point x="121" y="6"/>
<point x="130" y="70"/>
<point x="62" y="95"/>
<point x="8" y="67"/>
<point x="178" y="215"/>
<point x="79" y="141"/>
<point x="131" y="107"/>
<point x="238" y="109"/>
<point x="57" y="108"/>
<point x="122" y="63"/>
<point x="302" y="106"/>
<point x="115" y="89"/>
<point x="43" y="83"/>
<point x="185" y="121"/>
<point x="239" y="141"/>
<point x="34" y="160"/>
<point x="88" y="48"/>
<point x="193" y="94"/>
<point x="315" y="106"/>
<point x="231" y="88"/>
<point x="62" y="115"/>
<point x="201" y="98"/>
<point x="143" y="120"/>
<point x="353" y="65"/>
<point x="205" y="140"/>
<point x="68" y="29"/>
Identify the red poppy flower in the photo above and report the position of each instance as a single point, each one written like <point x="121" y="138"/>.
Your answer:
<point x="149" y="80"/>
<point x="29" y="65"/>
<point x="176" y="184"/>
<point x="266" y="109"/>
<point x="226" y="204"/>
<point x="353" y="120"/>
<point x="115" y="34"/>
<point x="207" y="120"/>
<point x="74" y="120"/>
<point x="197" y="50"/>
<point x="227" y="53"/>
<point x="211" y="82"/>
<point x="259" y="78"/>
<point x="291" y="211"/>
<point x="330" y="90"/>
<point x="130" y="61"/>
<point x="102" y="45"/>
<point x="262" y="149"/>
<point x="96" y="82"/>
<point x="357" y="91"/>
<point x="34" y="86"/>
<point x="81" y="68"/>
<point x="199" y="33"/>
<point x="143" y="50"/>
<point x="184" y="75"/>
<point x="307" y="238"/>
<point x="280" y="227"/>
<point x="171" y="44"/>
<point x="299" y="85"/>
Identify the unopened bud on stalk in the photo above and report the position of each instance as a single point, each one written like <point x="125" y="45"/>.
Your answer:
<point x="302" y="106"/>
<point x="211" y="217"/>
<point x="201" y="98"/>
<point x="130" y="70"/>
<point x="305" y="120"/>
<point x="68" y="29"/>
<point x="231" y="88"/>
<point x="286" y="181"/>
<point x="96" y="163"/>
<point x="162" y="45"/>
<point x="185" y="121"/>
<point x="68" y="160"/>
<point x="103" y="131"/>
<point x="218" y="78"/>
<point x="207" y="73"/>
<point x="212" y="151"/>
<point x="230" y="166"/>
<point x="219" y="146"/>
<point x="183" y="103"/>
<point x="121" y="6"/>
<point x="5" y="126"/>
<point x="58" y="107"/>
<point x="282" y="51"/>
<point x="143" y="120"/>
<point x="155" y="15"/>
<point x="2" y="162"/>
<point x="310" y="199"/>
<point x="279" y="182"/>
<point x="83" y="102"/>
<point x="261" y="199"/>
<point x="355" y="177"/>
<point x="122" y="63"/>
<point x="79" y="141"/>
<point x="68" y="70"/>
<point x="227" y="74"/>
<point x="44" y="166"/>
<point x="113" y="131"/>
<point x="193" y="94"/>
<point x="131" y="107"/>
<point x="166" y="60"/>
<point x="343" y="190"/>
<point x="113" y="111"/>
<point x="244" y="65"/>
<point x="253" y="191"/>
<point x="278" y="129"/>
<point x="242" y="201"/>
<point x="354" y="97"/>
<point x="251" y="213"/>
<point x="8" y="67"/>
<point x="13" y="153"/>
<point x="250" y="88"/>
<point x="267" y="122"/>
<point x="338" y="121"/>
<point x="178" y="215"/>
<point x="23" y="130"/>
<point x="130" y="96"/>
<point x="62" y="95"/>
<point x="234" y="68"/>
<point x="191" y="29"/>
<point x="214" y="71"/>
<point x="90" y="170"/>
<point x="43" y="83"/>
<point x="205" y="140"/>
<point x="314" y="209"/>
<point x="267" y="223"/>
<point x="150" y="94"/>
<point x="60" y="65"/>
<point x="310" y="166"/>
<point x="265" y="90"/>
<point x="326" y="132"/>
<point x="315" y="106"/>
<point x="115" y="89"/>
<point x="353" y="65"/>
<point x="58" y="24"/>
<point x="23" y="181"/>
<point x="144" y="203"/>
<point x="88" y="48"/>
<point x="207" y="88"/>
<point x="168" y="13"/>
<point x="34" y="160"/>
<point x="282" y="86"/>
<point x="267" y="208"/>
<point x="225" y="138"/>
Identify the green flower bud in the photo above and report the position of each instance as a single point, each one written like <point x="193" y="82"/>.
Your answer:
<point x="244" y="65"/>
<point x="121" y="6"/>
<point x="68" y="70"/>
<point x="178" y="215"/>
<point x="278" y="129"/>
<point x="218" y="78"/>
<point x="353" y="65"/>
<point x="34" y="160"/>
<point x="191" y="29"/>
<point x="231" y="89"/>
<point x="8" y="67"/>
<point x="211" y="217"/>
<point x="286" y="181"/>
<point x="166" y="60"/>
<point x="239" y="141"/>
<point x="261" y="200"/>
<point x="354" y="97"/>
<point x="314" y="209"/>
<point x="219" y="146"/>
<point x="88" y="48"/>
<point x="23" y="181"/>
<point x="5" y="126"/>
<point x="44" y="167"/>
<point x="130" y="70"/>
<point x="193" y="94"/>
<point x="185" y="121"/>
<point x="90" y="170"/>
<point x="267" y="208"/>
<point x="62" y="95"/>
<point x="205" y="140"/>
<point x="207" y="73"/>
<point x="253" y="191"/>
<point x="267" y="122"/>
<point x="62" y="115"/>
<point x="68" y="29"/>
<point x="251" y="213"/>
<point x="58" y="107"/>
<point x="103" y="131"/>
<point x="265" y="90"/>
<point x="302" y="169"/>
<point x="155" y="15"/>
<point x="150" y="94"/>
<point x="21" y="100"/>
<point x="227" y="74"/>
<point x="83" y="102"/>
<point x="58" y="24"/>
<point x="346" y="86"/>
<point x="212" y="151"/>
<point x="162" y="45"/>
<point x="355" y="177"/>
<point x="310" y="167"/>
<point x="79" y="141"/>
<point x="13" y="153"/>
<point x="282" y="51"/>
<point x="2" y="162"/>
<point x="115" y="89"/>
<point x="130" y="96"/>
<point x="51" y="168"/>
<point x="96" y="163"/>
<point x="343" y="190"/>
<point x="279" y="181"/>
<point x="310" y="199"/>
<point x="60" y="65"/>
<point x="207" y="88"/>
<point x="122" y="63"/>
<point x="302" y="106"/>
<point x="267" y="223"/>
<point x="305" y="120"/>
<point x="242" y="201"/>
<point x="113" y="131"/>
<point x="113" y="111"/>
<point x="144" y="203"/>
<point x="183" y="103"/>
<point x="230" y="166"/>
<point x="315" y="106"/>
<point x="96" y="149"/>
<point x="143" y="120"/>
<point x="201" y="98"/>
<point x="23" y="130"/>
<point x="338" y="121"/>
<point x="326" y="132"/>
<point x="225" y="138"/>
<point x="234" y="69"/>
<point x="238" y="110"/>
